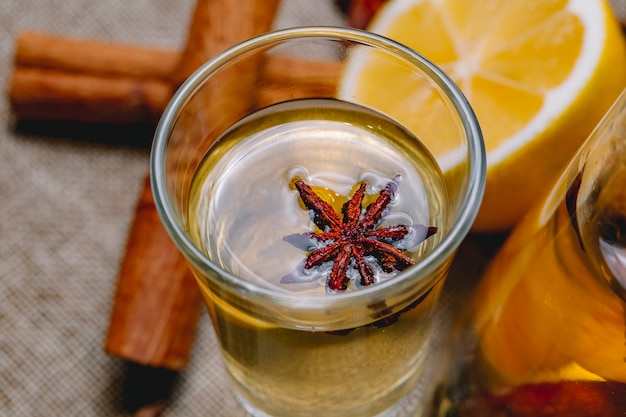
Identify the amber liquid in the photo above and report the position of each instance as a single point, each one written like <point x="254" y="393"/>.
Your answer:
<point x="549" y="317"/>
<point x="352" y="360"/>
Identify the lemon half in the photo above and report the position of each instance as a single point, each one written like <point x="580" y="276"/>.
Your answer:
<point x="539" y="75"/>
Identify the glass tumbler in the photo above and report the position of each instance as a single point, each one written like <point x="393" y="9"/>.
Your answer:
<point x="545" y="333"/>
<point x="320" y="225"/>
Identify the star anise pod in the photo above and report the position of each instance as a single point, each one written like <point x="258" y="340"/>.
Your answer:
<point x="355" y="236"/>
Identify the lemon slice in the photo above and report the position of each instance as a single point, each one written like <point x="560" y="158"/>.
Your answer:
<point x="539" y="75"/>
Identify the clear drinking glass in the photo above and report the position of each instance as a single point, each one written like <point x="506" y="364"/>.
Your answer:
<point x="237" y="140"/>
<point x="545" y="332"/>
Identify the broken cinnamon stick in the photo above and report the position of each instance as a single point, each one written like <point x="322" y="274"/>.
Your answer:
<point x="157" y="301"/>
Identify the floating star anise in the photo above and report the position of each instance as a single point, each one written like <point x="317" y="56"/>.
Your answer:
<point x="356" y="236"/>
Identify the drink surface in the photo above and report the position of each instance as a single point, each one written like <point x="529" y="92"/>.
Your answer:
<point x="244" y="205"/>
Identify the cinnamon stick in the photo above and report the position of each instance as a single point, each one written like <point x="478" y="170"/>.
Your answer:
<point x="359" y="12"/>
<point x="549" y="399"/>
<point x="227" y="95"/>
<point x="286" y="77"/>
<point x="218" y="25"/>
<point x="49" y="94"/>
<point x="88" y="56"/>
<point x="38" y="93"/>
<point x="157" y="301"/>
<point x="97" y="82"/>
<point x="82" y="80"/>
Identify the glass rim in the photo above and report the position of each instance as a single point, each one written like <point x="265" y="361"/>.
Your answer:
<point x="428" y="264"/>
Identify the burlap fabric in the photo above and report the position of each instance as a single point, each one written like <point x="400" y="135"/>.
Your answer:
<point x="65" y="207"/>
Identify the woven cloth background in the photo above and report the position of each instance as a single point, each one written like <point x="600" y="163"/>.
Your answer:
<point x="65" y="209"/>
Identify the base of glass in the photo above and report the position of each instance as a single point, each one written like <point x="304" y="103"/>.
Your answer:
<point x="412" y="405"/>
<point x="421" y="401"/>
